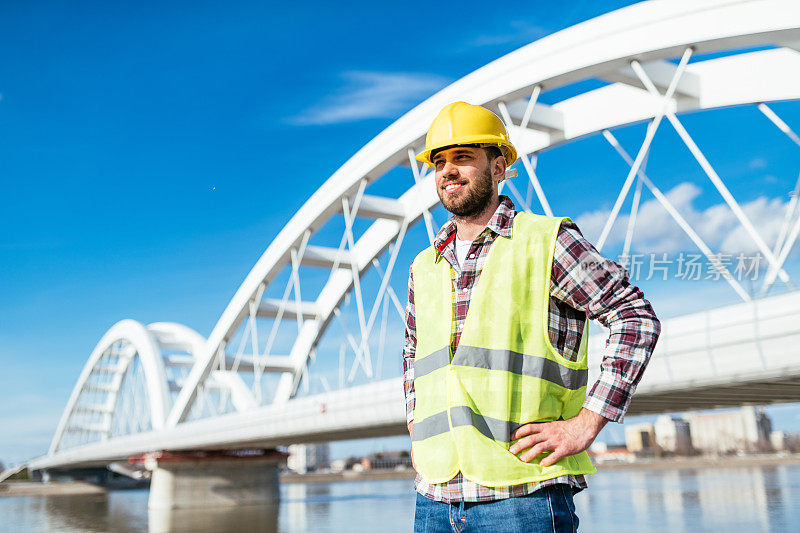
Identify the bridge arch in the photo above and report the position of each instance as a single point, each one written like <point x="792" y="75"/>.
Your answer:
<point x="629" y="66"/>
<point x="94" y="398"/>
<point x="155" y="358"/>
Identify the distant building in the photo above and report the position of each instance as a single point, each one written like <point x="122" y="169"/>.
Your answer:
<point x="338" y="465"/>
<point x="357" y="464"/>
<point x="785" y="442"/>
<point x="308" y="457"/>
<point x="354" y="463"/>
<point x="672" y="435"/>
<point x="600" y="452"/>
<point x="390" y="460"/>
<point x="640" y="439"/>
<point x="747" y="429"/>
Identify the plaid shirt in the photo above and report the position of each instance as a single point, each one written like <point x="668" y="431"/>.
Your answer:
<point x="583" y="284"/>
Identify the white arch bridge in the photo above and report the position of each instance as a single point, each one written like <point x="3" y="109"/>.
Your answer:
<point x="298" y="354"/>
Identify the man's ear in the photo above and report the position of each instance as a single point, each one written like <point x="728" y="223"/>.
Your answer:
<point x="499" y="166"/>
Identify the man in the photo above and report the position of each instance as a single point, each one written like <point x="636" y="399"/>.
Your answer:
<point x="495" y="352"/>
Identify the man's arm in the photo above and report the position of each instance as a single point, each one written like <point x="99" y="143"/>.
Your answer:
<point x="409" y="350"/>
<point x="584" y="279"/>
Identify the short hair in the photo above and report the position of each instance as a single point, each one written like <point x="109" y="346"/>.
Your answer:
<point x="492" y="151"/>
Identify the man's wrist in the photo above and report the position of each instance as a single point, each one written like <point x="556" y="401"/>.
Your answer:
<point x="601" y="405"/>
<point x="593" y="422"/>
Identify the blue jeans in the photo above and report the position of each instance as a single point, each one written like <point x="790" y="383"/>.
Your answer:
<point x="549" y="510"/>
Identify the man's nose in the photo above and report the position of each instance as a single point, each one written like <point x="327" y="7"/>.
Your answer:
<point x="449" y="169"/>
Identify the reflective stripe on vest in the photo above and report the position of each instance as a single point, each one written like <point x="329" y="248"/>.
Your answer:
<point x="499" y="430"/>
<point x="517" y="363"/>
<point x="504" y="373"/>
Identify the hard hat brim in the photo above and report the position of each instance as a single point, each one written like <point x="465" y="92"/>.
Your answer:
<point x="425" y="155"/>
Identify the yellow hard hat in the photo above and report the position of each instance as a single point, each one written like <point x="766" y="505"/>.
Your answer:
<point x="461" y="123"/>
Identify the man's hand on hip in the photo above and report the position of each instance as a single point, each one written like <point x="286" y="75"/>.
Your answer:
<point x="561" y="438"/>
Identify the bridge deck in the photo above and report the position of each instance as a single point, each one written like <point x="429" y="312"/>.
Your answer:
<point x="746" y="353"/>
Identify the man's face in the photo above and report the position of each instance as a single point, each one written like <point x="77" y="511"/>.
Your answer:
<point x="464" y="180"/>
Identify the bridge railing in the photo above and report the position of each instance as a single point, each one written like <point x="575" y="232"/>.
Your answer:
<point x="742" y="341"/>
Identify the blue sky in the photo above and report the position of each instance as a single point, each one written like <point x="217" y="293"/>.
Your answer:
<point x="150" y="153"/>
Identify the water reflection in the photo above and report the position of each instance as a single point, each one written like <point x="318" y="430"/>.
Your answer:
<point x="735" y="499"/>
<point x="689" y="511"/>
<point x="775" y="504"/>
<point x="713" y="499"/>
<point x="348" y="506"/>
<point x="114" y="511"/>
<point x="298" y="497"/>
<point x="241" y="518"/>
<point x="89" y="512"/>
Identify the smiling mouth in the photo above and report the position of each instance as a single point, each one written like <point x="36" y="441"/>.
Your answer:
<point x="452" y="187"/>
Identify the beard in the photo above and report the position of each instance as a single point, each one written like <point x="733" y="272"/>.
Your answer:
<point x="471" y="199"/>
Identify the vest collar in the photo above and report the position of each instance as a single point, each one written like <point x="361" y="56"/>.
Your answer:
<point x="501" y="223"/>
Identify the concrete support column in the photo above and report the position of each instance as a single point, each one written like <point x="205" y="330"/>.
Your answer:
<point x="186" y="480"/>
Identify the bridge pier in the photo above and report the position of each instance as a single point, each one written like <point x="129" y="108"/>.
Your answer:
<point x="203" y="479"/>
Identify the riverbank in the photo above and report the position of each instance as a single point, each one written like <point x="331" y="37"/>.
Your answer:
<point x="672" y="463"/>
<point x="349" y="475"/>
<point x="32" y="488"/>
<point x="36" y="488"/>
<point x="676" y="463"/>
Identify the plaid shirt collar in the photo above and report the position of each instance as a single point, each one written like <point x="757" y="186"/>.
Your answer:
<point x="501" y="224"/>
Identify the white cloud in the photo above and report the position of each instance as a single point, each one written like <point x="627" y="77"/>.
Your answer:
<point x="757" y="163"/>
<point x="519" y="31"/>
<point x="656" y="231"/>
<point x="369" y="94"/>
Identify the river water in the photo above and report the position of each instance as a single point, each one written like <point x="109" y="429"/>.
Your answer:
<point x="735" y="499"/>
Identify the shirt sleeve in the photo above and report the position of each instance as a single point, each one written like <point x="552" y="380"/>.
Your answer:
<point x="409" y="349"/>
<point x="587" y="281"/>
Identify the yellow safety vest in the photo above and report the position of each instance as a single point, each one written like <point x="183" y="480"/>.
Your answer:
<point x="505" y="372"/>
